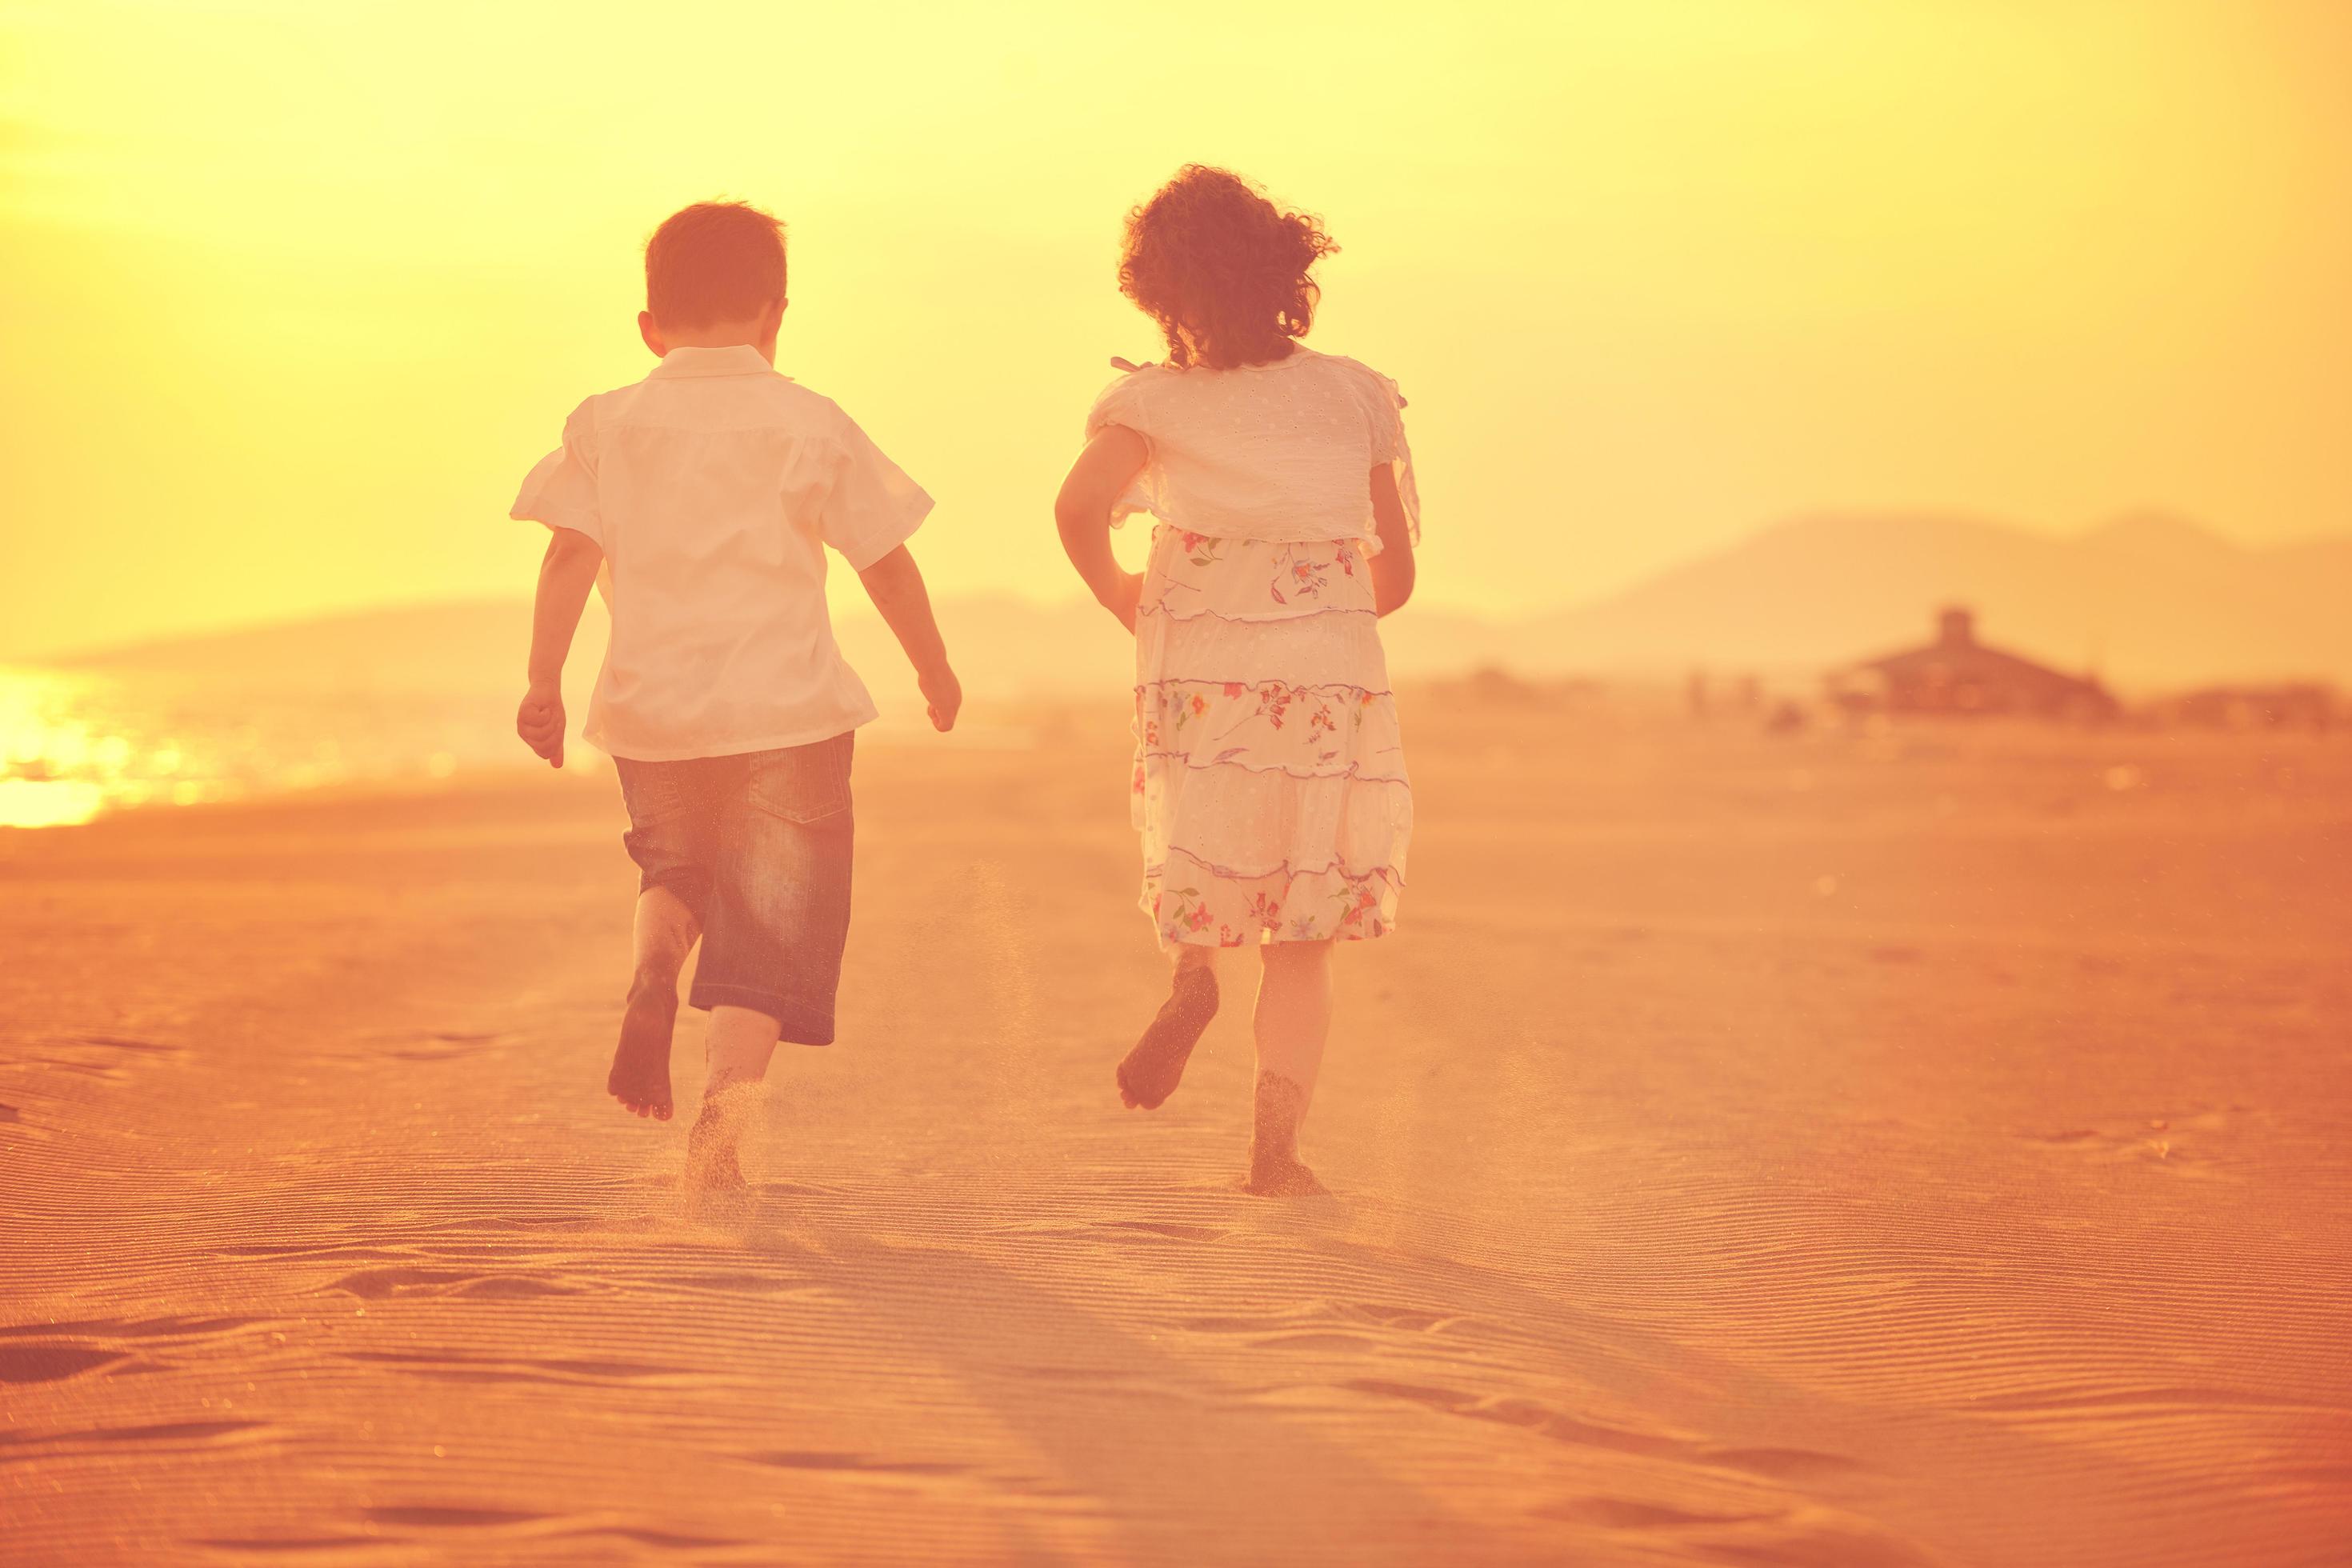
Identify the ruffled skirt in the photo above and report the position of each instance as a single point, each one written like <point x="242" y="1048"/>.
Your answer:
<point x="1269" y="781"/>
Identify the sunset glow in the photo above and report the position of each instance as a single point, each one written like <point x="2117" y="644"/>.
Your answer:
<point x="296" y="292"/>
<point x="1673" y="893"/>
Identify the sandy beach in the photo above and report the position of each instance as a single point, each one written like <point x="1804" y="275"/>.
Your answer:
<point x="1926" y="1147"/>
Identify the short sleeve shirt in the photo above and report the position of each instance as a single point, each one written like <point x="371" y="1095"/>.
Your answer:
<point x="1281" y="452"/>
<point x="714" y="487"/>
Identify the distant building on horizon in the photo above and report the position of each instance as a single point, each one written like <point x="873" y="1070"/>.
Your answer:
<point x="1957" y="675"/>
<point x="2290" y="705"/>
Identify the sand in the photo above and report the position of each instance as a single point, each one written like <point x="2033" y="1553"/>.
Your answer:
<point x="1922" y="1148"/>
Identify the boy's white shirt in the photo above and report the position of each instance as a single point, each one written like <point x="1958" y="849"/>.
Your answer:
<point x="713" y="487"/>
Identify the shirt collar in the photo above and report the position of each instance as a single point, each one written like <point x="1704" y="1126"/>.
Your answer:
<point x="736" y="359"/>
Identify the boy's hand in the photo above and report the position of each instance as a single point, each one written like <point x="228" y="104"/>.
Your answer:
<point x="540" y="722"/>
<point x="942" y="695"/>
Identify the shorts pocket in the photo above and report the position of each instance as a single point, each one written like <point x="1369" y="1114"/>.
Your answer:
<point x="802" y="784"/>
<point x="651" y="792"/>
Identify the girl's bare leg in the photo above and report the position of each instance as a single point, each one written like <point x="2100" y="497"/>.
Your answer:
<point x="1292" y="1022"/>
<point x="1155" y="1066"/>
<point x="740" y="1044"/>
<point x="664" y="934"/>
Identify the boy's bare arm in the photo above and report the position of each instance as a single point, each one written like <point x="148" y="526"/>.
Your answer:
<point x="1082" y="513"/>
<point x="895" y="583"/>
<point x="566" y="572"/>
<point x="1392" y="569"/>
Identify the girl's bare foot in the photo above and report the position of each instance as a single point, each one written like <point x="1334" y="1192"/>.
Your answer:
<point x="1282" y="1179"/>
<point x="1274" y="1170"/>
<point x="640" y="1075"/>
<point x="1153" y="1069"/>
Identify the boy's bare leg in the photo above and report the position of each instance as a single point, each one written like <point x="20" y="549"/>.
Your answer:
<point x="1155" y="1066"/>
<point x="1292" y="1022"/>
<point x="740" y="1044"/>
<point x="665" y="934"/>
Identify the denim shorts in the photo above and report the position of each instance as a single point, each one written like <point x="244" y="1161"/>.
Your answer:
<point x="758" y="846"/>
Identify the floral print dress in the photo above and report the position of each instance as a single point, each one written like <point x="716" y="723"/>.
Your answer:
<point x="1269" y="781"/>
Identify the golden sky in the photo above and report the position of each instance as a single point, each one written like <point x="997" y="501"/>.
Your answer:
<point x="296" y="291"/>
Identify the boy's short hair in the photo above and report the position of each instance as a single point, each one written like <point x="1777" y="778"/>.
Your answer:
<point x="712" y="262"/>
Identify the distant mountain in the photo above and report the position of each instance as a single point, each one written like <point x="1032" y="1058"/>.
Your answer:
<point x="1004" y="646"/>
<point x="2148" y="601"/>
<point x="452" y="646"/>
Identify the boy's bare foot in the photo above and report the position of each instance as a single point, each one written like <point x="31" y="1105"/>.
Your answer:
<point x="711" y="1162"/>
<point x="1153" y="1069"/>
<point x="714" y="1168"/>
<point x="1274" y="1170"/>
<point x="640" y="1075"/>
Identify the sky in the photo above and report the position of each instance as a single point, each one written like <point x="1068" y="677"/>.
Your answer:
<point x="294" y="294"/>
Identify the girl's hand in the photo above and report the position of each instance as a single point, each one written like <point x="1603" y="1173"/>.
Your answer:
<point x="1124" y="598"/>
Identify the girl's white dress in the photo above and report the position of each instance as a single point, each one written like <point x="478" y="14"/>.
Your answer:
<point x="1269" y="781"/>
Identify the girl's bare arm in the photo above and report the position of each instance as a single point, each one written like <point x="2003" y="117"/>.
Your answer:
<point x="1082" y="513"/>
<point x="1392" y="570"/>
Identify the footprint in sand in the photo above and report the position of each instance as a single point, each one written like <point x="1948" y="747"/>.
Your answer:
<point x="663" y="1540"/>
<point x="125" y="1042"/>
<point x="133" y="1328"/>
<point x="1413" y="1319"/>
<point x="390" y="1284"/>
<point x="1781" y="1464"/>
<point x="51" y="1353"/>
<point x="442" y="1516"/>
<point x="244" y="1546"/>
<point x="1624" y="1514"/>
<point x="733" y="1284"/>
<point x="1143" y="1230"/>
<point x="1161" y="1230"/>
<point x="54" y="1363"/>
<point x="104" y="1056"/>
<point x="1803" y="1534"/>
<point x="438" y="1045"/>
<point x="457" y="1366"/>
<point x="1330" y="1325"/>
<point x="161" y="1434"/>
<point x="2182" y="1143"/>
<point x="860" y="1463"/>
<point x="1548" y="1421"/>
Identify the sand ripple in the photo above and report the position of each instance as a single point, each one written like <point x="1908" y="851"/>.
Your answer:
<point x="1991" y="1211"/>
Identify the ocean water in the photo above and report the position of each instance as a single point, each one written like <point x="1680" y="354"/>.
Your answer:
<point x="411" y="694"/>
<point x="76" y="743"/>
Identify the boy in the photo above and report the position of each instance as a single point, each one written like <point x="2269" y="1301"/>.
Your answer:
<point x="704" y="495"/>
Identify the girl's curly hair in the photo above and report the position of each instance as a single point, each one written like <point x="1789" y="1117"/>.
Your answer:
<point x="1222" y="269"/>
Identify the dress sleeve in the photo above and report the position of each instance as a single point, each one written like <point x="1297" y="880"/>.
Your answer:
<point x="873" y="507"/>
<point x="561" y="488"/>
<point x="1122" y="404"/>
<point x="1385" y="408"/>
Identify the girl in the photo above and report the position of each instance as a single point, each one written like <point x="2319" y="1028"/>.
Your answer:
<point x="1269" y="781"/>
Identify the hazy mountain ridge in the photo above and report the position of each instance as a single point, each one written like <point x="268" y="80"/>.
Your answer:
<point x="2147" y="600"/>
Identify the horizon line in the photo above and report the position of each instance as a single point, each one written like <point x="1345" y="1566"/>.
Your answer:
<point x="77" y="653"/>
